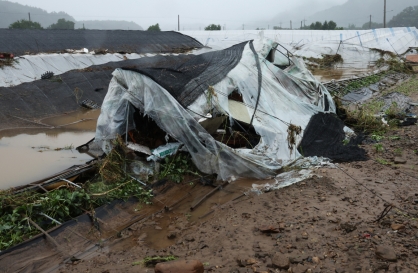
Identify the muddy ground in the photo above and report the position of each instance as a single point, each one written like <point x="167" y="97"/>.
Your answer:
<point x="331" y="222"/>
<point x="324" y="224"/>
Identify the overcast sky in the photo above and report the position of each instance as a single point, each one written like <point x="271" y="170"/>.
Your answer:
<point x="232" y="13"/>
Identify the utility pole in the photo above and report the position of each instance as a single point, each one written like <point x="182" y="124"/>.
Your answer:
<point x="370" y="24"/>
<point x="280" y="24"/>
<point x="29" y="16"/>
<point x="301" y="24"/>
<point x="384" y="15"/>
<point x="290" y="24"/>
<point x="242" y="26"/>
<point x="178" y="22"/>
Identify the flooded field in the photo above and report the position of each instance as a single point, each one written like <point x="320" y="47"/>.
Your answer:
<point x="28" y="155"/>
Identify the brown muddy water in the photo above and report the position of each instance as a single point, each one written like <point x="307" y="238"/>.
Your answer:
<point x="30" y="154"/>
<point x="326" y="75"/>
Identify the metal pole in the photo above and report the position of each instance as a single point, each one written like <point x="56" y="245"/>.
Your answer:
<point x="370" y="24"/>
<point x="29" y="16"/>
<point x="178" y="22"/>
<point x="384" y="15"/>
<point x="290" y="24"/>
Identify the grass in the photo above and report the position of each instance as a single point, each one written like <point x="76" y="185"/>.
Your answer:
<point x="379" y="147"/>
<point x="148" y="261"/>
<point x="398" y="151"/>
<point x="407" y="88"/>
<point x="369" y="80"/>
<point x="382" y="161"/>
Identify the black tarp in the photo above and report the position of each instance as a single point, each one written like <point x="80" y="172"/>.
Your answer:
<point x="23" y="41"/>
<point x="187" y="80"/>
<point x="324" y="136"/>
<point x="64" y="93"/>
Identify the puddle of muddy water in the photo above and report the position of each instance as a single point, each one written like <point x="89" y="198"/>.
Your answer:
<point x="326" y="75"/>
<point x="155" y="235"/>
<point x="28" y="155"/>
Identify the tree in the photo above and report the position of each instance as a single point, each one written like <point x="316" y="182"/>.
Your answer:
<point x="62" y="24"/>
<point x="332" y="25"/>
<point x="155" y="27"/>
<point x="213" y="27"/>
<point x="406" y="18"/>
<point x="24" y="24"/>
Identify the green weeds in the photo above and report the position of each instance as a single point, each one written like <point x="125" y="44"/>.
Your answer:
<point x="148" y="261"/>
<point x="65" y="202"/>
<point x="177" y="166"/>
<point x="379" y="147"/>
<point x="382" y="161"/>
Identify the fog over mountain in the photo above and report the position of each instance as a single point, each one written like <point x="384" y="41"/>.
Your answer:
<point x="11" y="12"/>
<point x="195" y="15"/>
<point x="232" y="14"/>
<point x="358" y="11"/>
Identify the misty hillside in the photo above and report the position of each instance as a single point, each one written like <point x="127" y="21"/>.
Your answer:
<point x="298" y="14"/>
<point x="358" y="11"/>
<point x="11" y="12"/>
<point x="108" y="25"/>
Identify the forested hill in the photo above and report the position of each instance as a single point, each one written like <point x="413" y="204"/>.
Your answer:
<point x="11" y="12"/>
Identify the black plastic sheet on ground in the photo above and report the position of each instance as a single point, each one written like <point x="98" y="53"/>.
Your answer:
<point x="23" y="41"/>
<point x="324" y="136"/>
<point x="21" y="104"/>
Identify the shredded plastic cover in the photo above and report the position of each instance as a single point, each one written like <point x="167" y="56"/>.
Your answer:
<point x="268" y="99"/>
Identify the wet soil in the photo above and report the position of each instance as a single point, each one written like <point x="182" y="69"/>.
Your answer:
<point x="332" y="222"/>
<point x="326" y="223"/>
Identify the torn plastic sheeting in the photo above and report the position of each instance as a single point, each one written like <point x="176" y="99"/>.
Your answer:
<point x="398" y="100"/>
<point x="358" y="96"/>
<point x="283" y="180"/>
<point x="355" y="46"/>
<point x="289" y="178"/>
<point x="277" y="109"/>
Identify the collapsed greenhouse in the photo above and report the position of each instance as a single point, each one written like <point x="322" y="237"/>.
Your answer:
<point x="235" y="112"/>
<point x="246" y="110"/>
